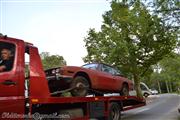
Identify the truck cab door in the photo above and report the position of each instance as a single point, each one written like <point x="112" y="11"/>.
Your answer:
<point x="11" y="81"/>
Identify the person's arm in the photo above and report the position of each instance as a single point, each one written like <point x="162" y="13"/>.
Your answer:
<point x="2" y="68"/>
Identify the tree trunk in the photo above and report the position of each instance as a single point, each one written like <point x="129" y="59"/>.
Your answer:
<point x="170" y="87"/>
<point x="167" y="87"/>
<point x="137" y="85"/>
<point x="159" y="86"/>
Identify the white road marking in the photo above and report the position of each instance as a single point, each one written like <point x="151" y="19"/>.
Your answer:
<point x="142" y="110"/>
<point x="138" y="111"/>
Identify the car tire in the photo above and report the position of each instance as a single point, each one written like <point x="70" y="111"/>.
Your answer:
<point x="114" y="111"/>
<point x="146" y="95"/>
<point x="81" y="85"/>
<point x="125" y="90"/>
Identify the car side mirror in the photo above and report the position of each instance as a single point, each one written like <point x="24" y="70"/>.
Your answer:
<point x="119" y="74"/>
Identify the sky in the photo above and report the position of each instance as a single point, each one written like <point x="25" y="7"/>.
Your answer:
<point x="55" y="26"/>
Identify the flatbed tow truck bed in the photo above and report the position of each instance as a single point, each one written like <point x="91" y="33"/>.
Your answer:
<point x="87" y="108"/>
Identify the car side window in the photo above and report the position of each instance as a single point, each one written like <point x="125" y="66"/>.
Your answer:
<point x="91" y="66"/>
<point x="107" y="69"/>
<point x="7" y="53"/>
<point x="143" y="87"/>
<point x="115" y="72"/>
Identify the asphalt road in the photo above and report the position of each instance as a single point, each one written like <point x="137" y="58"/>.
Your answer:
<point x="159" y="107"/>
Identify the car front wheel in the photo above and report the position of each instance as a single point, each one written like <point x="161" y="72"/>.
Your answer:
<point x="146" y="95"/>
<point x="125" y="90"/>
<point x="80" y="85"/>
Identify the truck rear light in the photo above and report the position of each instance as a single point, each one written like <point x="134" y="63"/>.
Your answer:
<point x="35" y="100"/>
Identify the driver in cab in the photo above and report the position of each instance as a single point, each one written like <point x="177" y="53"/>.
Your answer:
<point x="6" y="62"/>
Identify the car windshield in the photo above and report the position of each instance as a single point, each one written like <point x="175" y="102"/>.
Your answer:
<point x="91" y="66"/>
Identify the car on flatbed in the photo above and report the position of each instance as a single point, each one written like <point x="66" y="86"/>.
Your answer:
<point x="95" y="76"/>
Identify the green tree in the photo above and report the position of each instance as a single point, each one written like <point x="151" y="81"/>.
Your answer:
<point x="169" y="76"/>
<point x="169" y="11"/>
<point x="50" y="61"/>
<point x="171" y="72"/>
<point x="130" y="38"/>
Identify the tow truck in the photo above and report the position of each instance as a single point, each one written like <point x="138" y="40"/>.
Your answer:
<point x="25" y="93"/>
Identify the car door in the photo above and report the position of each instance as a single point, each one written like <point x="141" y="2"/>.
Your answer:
<point x="119" y="80"/>
<point x="11" y="89"/>
<point x="106" y="78"/>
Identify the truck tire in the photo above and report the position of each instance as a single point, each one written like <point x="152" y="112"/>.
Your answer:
<point x="114" y="111"/>
<point x="125" y="90"/>
<point x="81" y="85"/>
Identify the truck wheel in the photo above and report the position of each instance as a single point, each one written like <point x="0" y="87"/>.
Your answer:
<point x="125" y="90"/>
<point x="81" y="85"/>
<point x="114" y="111"/>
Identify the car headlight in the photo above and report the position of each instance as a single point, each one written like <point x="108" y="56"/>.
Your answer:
<point x="57" y="70"/>
<point x="54" y="71"/>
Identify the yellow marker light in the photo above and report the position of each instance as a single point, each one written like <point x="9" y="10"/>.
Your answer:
<point x="96" y="98"/>
<point x="35" y="100"/>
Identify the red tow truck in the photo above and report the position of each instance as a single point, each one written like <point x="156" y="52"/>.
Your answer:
<point x="25" y="94"/>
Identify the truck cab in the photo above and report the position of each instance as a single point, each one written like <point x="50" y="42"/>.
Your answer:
<point x="12" y="81"/>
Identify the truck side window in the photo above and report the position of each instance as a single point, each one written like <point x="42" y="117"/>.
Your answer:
<point x="27" y="75"/>
<point x="7" y="53"/>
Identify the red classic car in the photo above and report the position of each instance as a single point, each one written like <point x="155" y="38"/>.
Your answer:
<point x="93" y="76"/>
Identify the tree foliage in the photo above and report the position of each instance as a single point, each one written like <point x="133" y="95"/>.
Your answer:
<point x="50" y="61"/>
<point x="171" y="70"/>
<point x="170" y="73"/>
<point x="130" y="38"/>
<point x="169" y="11"/>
